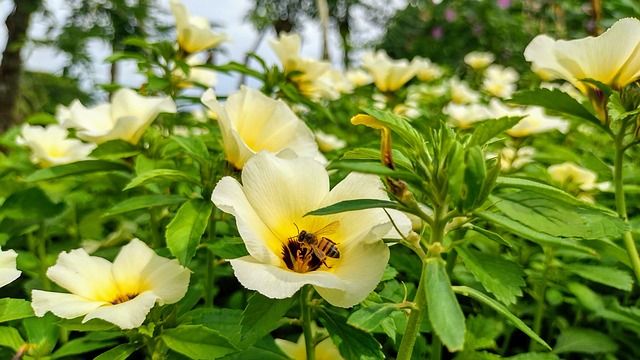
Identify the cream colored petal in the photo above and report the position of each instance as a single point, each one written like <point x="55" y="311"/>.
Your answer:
<point x="181" y="14"/>
<point x="86" y="276"/>
<point x="129" y="266"/>
<point x="127" y="315"/>
<point x="360" y="269"/>
<point x="133" y="113"/>
<point x="282" y="191"/>
<point x="287" y="48"/>
<point x="630" y="71"/>
<point x="67" y="306"/>
<point x="229" y="197"/>
<point x="93" y="121"/>
<point x="541" y="53"/>
<point x="167" y="279"/>
<point x="277" y="283"/>
<point x="8" y="271"/>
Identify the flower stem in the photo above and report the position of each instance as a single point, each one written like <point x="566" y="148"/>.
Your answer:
<point x="621" y="206"/>
<point x="210" y="275"/>
<point x="540" y="296"/>
<point x="415" y="319"/>
<point x="305" y="314"/>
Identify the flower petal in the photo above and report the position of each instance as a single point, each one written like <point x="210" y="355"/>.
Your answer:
<point x="67" y="306"/>
<point x="8" y="271"/>
<point x="87" y="276"/>
<point x="127" y="315"/>
<point x="277" y="283"/>
<point x="229" y="197"/>
<point x="360" y="269"/>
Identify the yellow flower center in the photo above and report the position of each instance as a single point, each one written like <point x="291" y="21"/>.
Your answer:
<point x="121" y="298"/>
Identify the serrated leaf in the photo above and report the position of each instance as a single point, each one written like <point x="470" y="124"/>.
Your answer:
<point x="556" y="218"/>
<point x="114" y="149"/>
<point x="540" y="188"/>
<point x="376" y="168"/>
<point x="370" y="317"/>
<point x="157" y="175"/>
<point x="228" y="247"/>
<point x="261" y="316"/>
<point x="197" y="342"/>
<point x="76" y="168"/>
<point x="482" y="332"/>
<point x="14" y="309"/>
<point x="81" y="346"/>
<point x="501" y="309"/>
<point x="195" y="147"/>
<point x="352" y="205"/>
<point x="488" y="129"/>
<point x="351" y="342"/>
<point x="187" y="227"/>
<point x="144" y="202"/>
<point x="491" y="235"/>
<point x="499" y="276"/>
<point x="584" y="341"/>
<point x="609" y="276"/>
<point x="20" y="206"/>
<point x="444" y="311"/>
<point x="10" y="337"/>
<point x="528" y="233"/>
<point x="120" y="352"/>
<point x="555" y="100"/>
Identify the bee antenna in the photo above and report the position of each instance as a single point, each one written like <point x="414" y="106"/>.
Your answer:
<point x="297" y="230"/>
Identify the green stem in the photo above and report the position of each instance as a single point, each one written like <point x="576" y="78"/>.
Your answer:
<point x="305" y="314"/>
<point x="415" y="319"/>
<point x="540" y="296"/>
<point x="41" y="249"/>
<point x="621" y="206"/>
<point x="210" y="275"/>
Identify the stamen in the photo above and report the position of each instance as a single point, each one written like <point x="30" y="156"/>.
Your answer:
<point x="123" y="298"/>
<point x="299" y="258"/>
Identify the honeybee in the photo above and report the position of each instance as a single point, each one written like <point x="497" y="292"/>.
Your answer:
<point x="321" y="246"/>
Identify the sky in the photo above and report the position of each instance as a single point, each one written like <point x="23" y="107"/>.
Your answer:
<point x="227" y="15"/>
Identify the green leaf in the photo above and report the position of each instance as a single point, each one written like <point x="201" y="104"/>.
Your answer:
<point x="584" y="341"/>
<point x="10" y="337"/>
<point x="528" y="233"/>
<point x="76" y="168"/>
<point x="114" y="149"/>
<point x="370" y="317"/>
<point x="540" y="188"/>
<point x="14" y="309"/>
<point x="144" y="202"/>
<point x="197" y="342"/>
<point x="352" y="205"/>
<point x="499" y="276"/>
<point x="261" y="316"/>
<point x="501" y="309"/>
<point x="443" y="308"/>
<point x="157" y="175"/>
<point x="187" y="227"/>
<point x="399" y="159"/>
<point x="375" y="168"/>
<point x="225" y="321"/>
<point x="534" y="356"/>
<point x="474" y="175"/>
<point x="550" y="216"/>
<point x="80" y="346"/>
<point x="31" y="204"/>
<point x="42" y="331"/>
<point x="91" y="325"/>
<point x="555" y="100"/>
<point x="487" y="130"/>
<point x="491" y="235"/>
<point x="195" y="147"/>
<point x="398" y="125"/>
<point x="120" y="352"/>
<point x="609" y="276"/>
<point x="228" y="247"/>
<point x="351" y="342"/>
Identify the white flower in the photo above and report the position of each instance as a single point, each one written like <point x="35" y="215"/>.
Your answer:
<point x="269" y="207"/>
<point x="426" y="70"/>
<point x="122" y="292"/>
<point x="500" y="81"/>
<point x="126" y="117"/>
<point x="50" y="145"/>
<point x="461" y="93"/>
<point x="464" y="115"/>
<point x="325" y="349"/>
<point x="199" y="75"/>
<point x="194" y="32"/>
<point x="388" y="74"/>
<point x="479" y="59"/>
<point x="569" y="173"/>
<point x="535" y="120"/>
<point x="612" y="58"/>
<point x="250" y="122"/>
<point x="515" y="158"/>
<point x="329" y="142"/>
<point x="8" y="271"/>
<point x="359" y="77"/>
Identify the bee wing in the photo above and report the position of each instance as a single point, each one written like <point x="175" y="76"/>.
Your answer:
<point x="329" y="229"/>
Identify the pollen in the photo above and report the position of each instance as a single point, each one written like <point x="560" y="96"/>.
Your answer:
<point x="122" y="298"/>
<point x="299" y="258"/>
